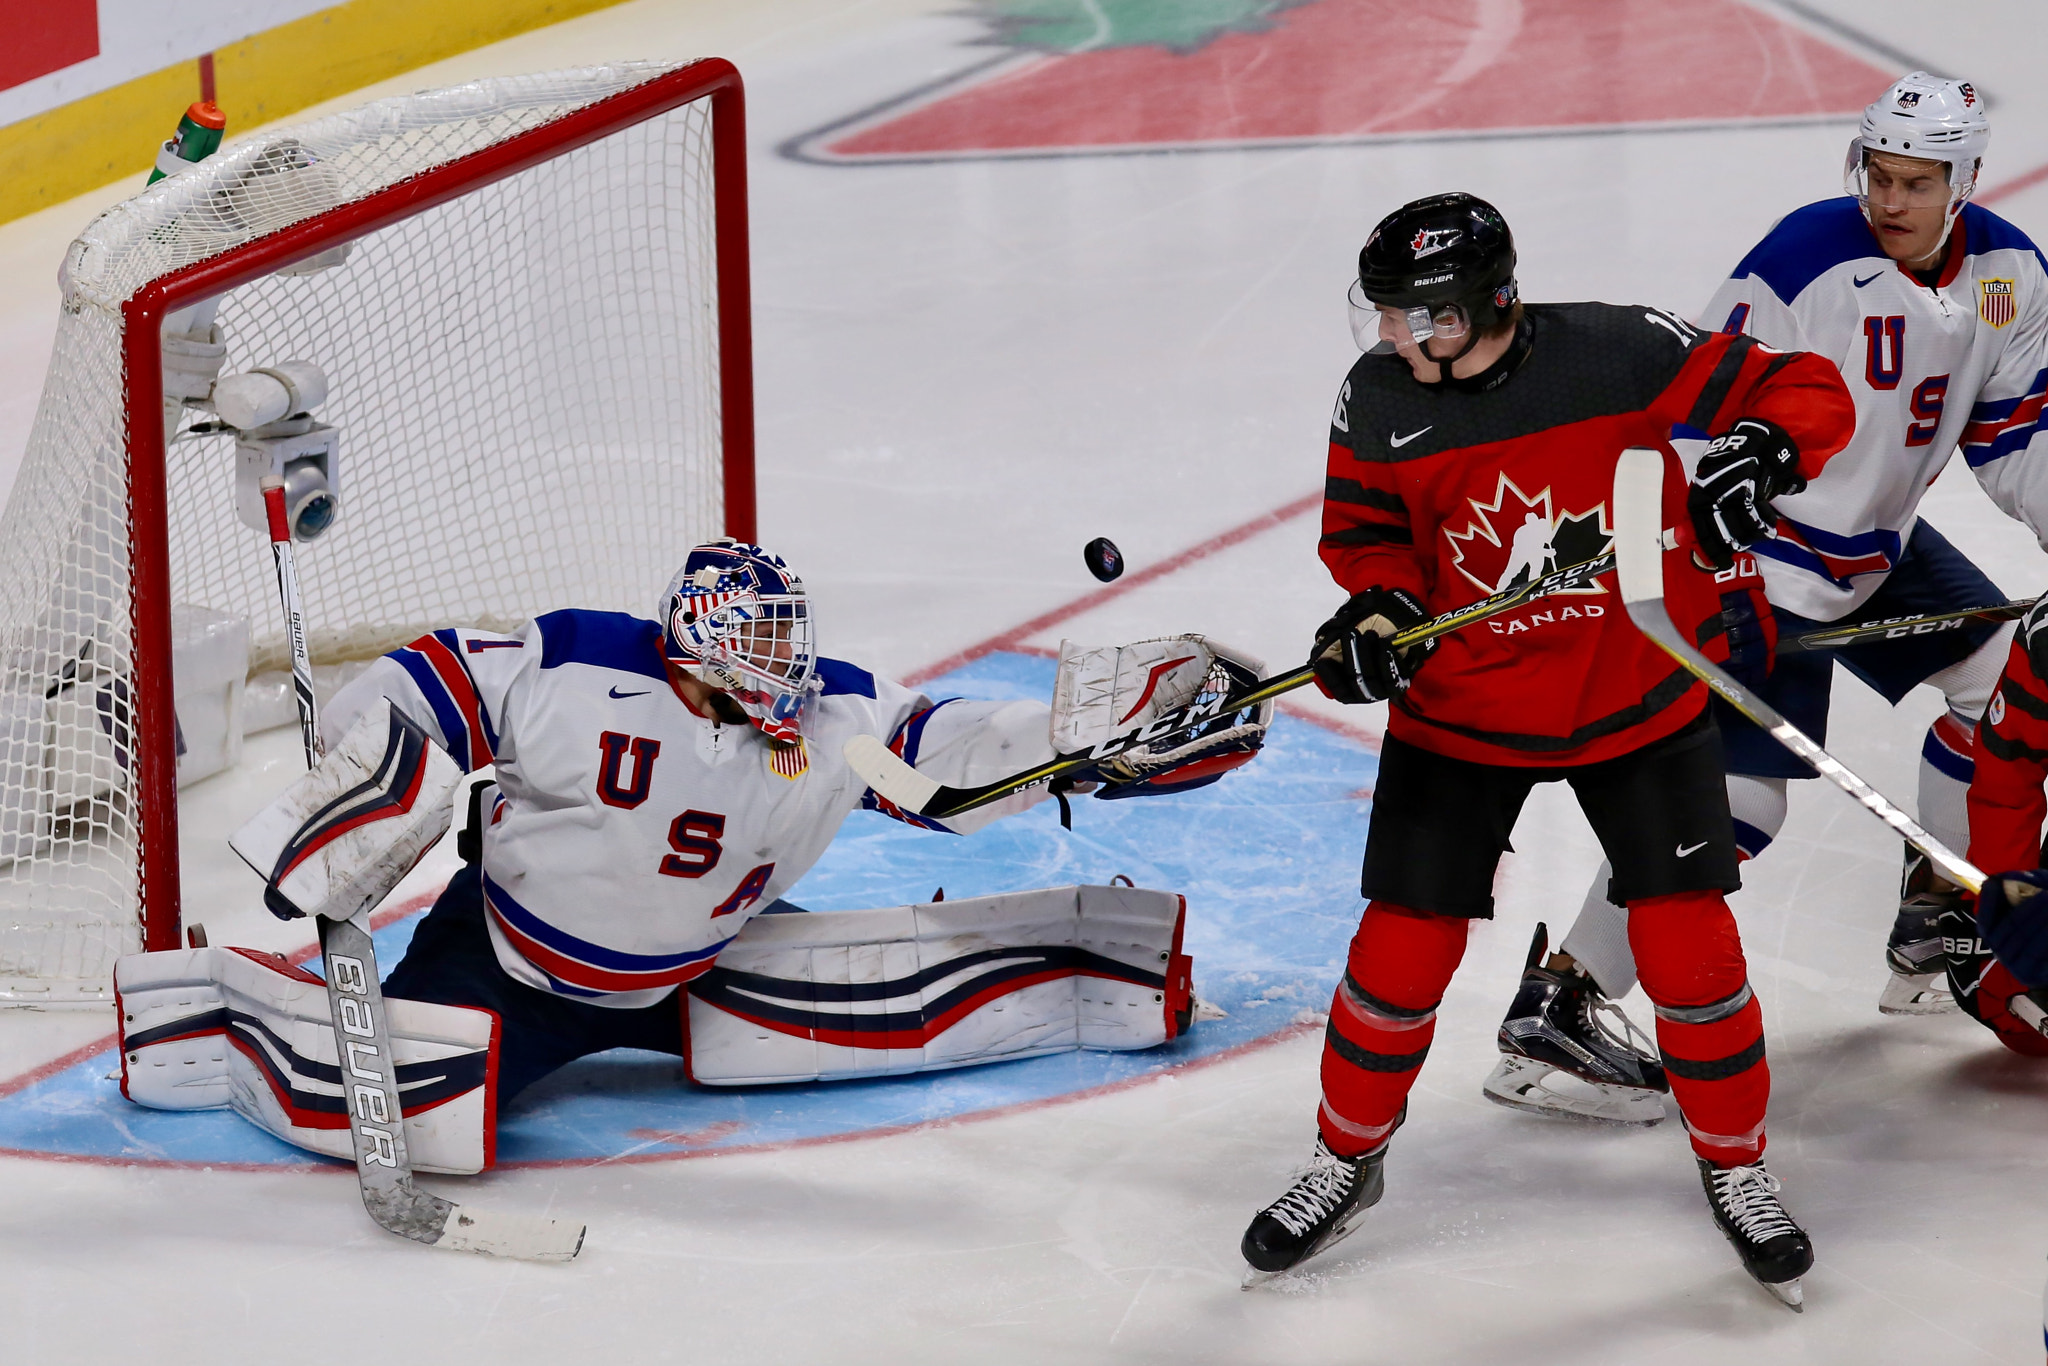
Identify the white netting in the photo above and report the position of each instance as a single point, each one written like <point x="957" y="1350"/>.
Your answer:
<point x="526" y="384"/>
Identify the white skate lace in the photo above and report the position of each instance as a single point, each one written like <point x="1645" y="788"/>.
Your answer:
<point x="1749" y="1197"/>
<point x="1629" y="1039"/>
<point x="1318" y="1188"/>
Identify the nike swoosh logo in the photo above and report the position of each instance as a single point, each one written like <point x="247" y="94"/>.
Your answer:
<point x="1866" y="280"/>
<point x="617" y="693"/>
<point x="1399" y="441"/>
<point x="1683" y="851"/>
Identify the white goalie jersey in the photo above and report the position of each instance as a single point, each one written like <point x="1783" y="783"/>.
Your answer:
<point x="1932" y="368"/>
<point x="632" y="837"/>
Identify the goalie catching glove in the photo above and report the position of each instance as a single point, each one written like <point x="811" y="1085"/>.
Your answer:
<point x="1108" y="690"/>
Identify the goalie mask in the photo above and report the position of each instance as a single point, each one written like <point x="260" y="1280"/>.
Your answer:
<point x="736" y="617"/>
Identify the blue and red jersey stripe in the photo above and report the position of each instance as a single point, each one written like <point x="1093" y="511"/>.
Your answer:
<point x="581" y="968"/>
<point x="2000" y="427"/>
<point x="435" y="664"/>
<point x="907" y="742"/>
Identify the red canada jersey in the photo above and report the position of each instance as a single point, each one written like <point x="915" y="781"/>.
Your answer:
<point x="1455" y="492"/>
<point x="2007" y="803"/>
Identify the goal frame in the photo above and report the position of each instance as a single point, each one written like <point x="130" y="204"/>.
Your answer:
<point x="153" y="779"/>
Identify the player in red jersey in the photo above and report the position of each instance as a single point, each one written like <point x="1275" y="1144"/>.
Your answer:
<point x="1997" y="949"/>
<point x="2000" y="974"/>
<point x="1473" y="445"/>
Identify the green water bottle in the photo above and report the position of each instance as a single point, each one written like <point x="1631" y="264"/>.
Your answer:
<point x="197" y="138"/>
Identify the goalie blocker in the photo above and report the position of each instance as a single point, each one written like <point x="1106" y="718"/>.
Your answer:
<point x="797" y="997"/>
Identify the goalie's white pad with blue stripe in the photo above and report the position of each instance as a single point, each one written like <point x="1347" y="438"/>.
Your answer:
<point x="206" y="1028"/>
<point x="946" y="984"/>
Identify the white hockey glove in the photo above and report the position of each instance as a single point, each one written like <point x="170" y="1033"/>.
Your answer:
<point x="340" y="838"/>
<point x="1106" y="690"/>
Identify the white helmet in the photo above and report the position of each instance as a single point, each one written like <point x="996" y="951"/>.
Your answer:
<point x="1926" y="117"/>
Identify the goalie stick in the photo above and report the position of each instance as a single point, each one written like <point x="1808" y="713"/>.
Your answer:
<point x="903" y="786"/>
<point x="362" y="1035"/>
<point x="1639" y="545"/>
<point x="1899" y="628"/>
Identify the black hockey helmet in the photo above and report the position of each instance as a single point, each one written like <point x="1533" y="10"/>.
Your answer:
<point x="1446" y="250"/>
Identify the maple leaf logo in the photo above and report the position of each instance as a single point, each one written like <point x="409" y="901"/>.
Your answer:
<point x="1536" y="542"/>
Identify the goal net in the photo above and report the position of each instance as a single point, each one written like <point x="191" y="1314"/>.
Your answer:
<point x="528" y="297"/>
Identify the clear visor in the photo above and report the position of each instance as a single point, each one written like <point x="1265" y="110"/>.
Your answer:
<point x="1888" y="184"/>
<point x="1382" y="330"/>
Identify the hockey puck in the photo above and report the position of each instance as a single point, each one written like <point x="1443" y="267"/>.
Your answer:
<point x="1104" y="560"/>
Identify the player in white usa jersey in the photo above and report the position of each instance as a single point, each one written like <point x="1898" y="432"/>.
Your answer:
<point x="1936" y="311"/>
<point x="657" y="784"/>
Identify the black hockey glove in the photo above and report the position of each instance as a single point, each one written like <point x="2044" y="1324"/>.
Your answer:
<point x="2012" y="919"/>
<point x="1739" y="474"/>
<point x="1352" y="659"/>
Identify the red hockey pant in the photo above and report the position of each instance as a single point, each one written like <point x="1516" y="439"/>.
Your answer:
<point x="1709" y="1028"/>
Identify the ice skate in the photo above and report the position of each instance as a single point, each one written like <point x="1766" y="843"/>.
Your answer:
<point x="1320" y="1207"/>
<point x="1773" y="1249"/>
<point x="1919" y="983"/>
<point x="1559" y="1057"/>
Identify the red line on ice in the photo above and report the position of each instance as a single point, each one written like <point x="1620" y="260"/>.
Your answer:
<point x="2004" y="189"/>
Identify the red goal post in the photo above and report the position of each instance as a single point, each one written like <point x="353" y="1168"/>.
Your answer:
<point x="518" y="339"/>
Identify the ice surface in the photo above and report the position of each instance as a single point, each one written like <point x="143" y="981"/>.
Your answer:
<point x="967" y="370"/>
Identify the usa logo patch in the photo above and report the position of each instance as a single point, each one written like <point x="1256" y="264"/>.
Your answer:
<point x="789" y="761"/>
<point x="1995" y="302"/>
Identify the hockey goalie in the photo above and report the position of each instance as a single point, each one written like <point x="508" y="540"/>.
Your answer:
<point x="658" y="785"/>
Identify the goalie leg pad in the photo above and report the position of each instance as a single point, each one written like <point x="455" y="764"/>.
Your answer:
<point x="946" y="984"/>
<point x="205" y="1028"/>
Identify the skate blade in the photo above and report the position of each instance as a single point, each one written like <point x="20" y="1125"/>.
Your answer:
<point x="1924" y="994"/>
<point x="1519" y="1084"/>
<point x="1788" y="1293"/>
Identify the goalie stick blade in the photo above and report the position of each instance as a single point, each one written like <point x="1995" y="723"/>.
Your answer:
<point x="510" y="1235"/>
<point x="1639" y="545"/>
<point x="355" y="998"/>
<point x="892" y="779"/>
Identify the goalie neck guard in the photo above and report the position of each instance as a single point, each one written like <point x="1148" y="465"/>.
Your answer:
<point x="736" y="617"/>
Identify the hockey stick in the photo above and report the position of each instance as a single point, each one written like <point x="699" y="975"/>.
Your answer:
<point x="362" y="1034"/>
<point x="904" y="787"/>
<point x="1901" y="628"/>
<point x="1639" y="545"/>
<point x="294" y="618"/>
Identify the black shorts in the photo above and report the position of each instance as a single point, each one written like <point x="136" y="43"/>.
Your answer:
<point x="1931" y="576"/>
<point x="1439" y="825"/>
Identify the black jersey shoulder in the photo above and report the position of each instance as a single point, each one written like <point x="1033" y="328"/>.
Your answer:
<point x="1586" y="360"/>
